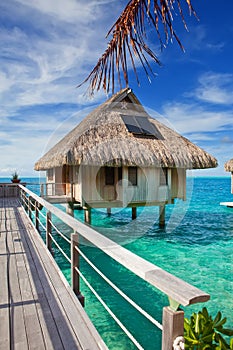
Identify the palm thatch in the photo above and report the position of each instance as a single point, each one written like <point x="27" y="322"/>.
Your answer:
<point x="128" y="40"/>
<point x="228" y="166"/>
<point x="103" y="138"/>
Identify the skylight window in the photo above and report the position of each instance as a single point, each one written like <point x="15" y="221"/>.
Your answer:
<point x="140" y="125"/>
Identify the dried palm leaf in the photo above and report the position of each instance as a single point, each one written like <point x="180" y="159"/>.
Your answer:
<point x="128" y="36"/>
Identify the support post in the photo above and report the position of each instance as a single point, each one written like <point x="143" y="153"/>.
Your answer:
<point x="109" y="211"/>
<point x="72" y="191"/>
<point x="42" y="190"/>
<point x="173" y="327"/>
<point x="29" y="208"/>
<point x="134" y="213"/>
<point x="70" y="209"/>
<point x="48" y="231"/>
<point x="87" y="215"/>
<point x="75" y="279"/>
<point x="37" y="215"/>
<point x="162" y="216"/>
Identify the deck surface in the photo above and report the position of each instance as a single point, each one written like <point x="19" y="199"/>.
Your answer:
<point x="38" y="309"/>
<point x="227" y="204"/>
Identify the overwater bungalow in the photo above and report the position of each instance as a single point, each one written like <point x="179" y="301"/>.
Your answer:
<point x="228" y="166"/>
<point x="119" y="156"/>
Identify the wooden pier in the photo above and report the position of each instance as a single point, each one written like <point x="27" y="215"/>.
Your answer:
<point x="38" y="309"/>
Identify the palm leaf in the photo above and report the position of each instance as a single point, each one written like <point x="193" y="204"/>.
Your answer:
<point x="128" y="39"/>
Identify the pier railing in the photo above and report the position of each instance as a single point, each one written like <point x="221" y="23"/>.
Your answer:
<point x="51" y="189"/>
<point x="178" y="291"/>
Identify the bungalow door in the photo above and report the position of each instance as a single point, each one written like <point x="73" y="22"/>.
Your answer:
<point x="66" y="179"/>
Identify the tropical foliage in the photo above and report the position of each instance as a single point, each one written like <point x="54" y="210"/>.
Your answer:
<point x="202" y="332"/>
<point x="129" y="34"/>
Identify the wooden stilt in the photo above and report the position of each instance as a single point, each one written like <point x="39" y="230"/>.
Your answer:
<point x="109" y="211"/>
<point x="162" y="216"/>
<point x="87" y="215"/>
<point x="69" y="210"/>
<point x="134" y="213"/>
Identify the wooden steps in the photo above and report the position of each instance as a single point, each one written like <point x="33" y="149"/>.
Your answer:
<point x="38" y="309"/>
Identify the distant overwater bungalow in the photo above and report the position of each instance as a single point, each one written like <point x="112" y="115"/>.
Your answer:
<point x="119" y="156"/>
<point x="228" y="166"/>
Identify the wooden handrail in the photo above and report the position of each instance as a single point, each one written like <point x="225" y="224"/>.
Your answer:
<point x="176" y="289"/>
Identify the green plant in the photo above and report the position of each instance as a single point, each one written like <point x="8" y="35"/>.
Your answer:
<point x="15" y="175"/>
<point x="202" y="332"/>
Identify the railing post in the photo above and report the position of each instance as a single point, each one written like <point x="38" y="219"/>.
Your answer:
<point x="173" y="327"/>
<point x="29" y="207"/>
<point x="75" y="279"/>
<point x="48" y="231"/>
<point x="36" y="215"/>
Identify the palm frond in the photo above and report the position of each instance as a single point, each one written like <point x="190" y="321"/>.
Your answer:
<point x="128" y="41"/>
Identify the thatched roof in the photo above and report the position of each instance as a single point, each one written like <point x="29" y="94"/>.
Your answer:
<point x="228" y="166"/>
<point x="103" y="138"/>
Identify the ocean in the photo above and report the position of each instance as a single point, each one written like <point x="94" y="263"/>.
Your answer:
<point x="196" y="245"/>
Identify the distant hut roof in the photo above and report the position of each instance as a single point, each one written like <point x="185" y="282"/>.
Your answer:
<point x="120" y="132"/>
<point x="228" y="166"/>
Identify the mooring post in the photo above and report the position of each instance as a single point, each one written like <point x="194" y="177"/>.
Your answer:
<point x="48" y="231"/>
<point x="75" y="279"/>
<point x="109" y="211"/>
<point x="173" y="327"/>
<point x="161" y="216"/>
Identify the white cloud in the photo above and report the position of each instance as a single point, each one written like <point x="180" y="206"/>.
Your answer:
<point x="192" y="117"/>
<point x="215" y="88"/>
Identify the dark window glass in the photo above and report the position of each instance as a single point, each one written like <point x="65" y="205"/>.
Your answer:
<point x="133" y="176"/>
<point x="50" y="174"/>
<point x="109" y="176"/>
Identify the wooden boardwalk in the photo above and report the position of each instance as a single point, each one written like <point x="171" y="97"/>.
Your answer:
<point x="38" y="309"/>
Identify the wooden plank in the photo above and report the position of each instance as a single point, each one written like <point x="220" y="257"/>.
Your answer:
<point x="79" y="322"/>
<point x="33" y="328"/>
<point x="71" y="319"/>
<point x="44" y="309"/>
<point x="17" y="325"/>
<point x="4" y="295"/>
<point x="43" y="312"/>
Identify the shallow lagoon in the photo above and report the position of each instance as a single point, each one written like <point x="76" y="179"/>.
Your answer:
<point x="196" y="245"/>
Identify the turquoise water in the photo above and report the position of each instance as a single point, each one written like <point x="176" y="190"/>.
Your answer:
<point x="196" y="245"/>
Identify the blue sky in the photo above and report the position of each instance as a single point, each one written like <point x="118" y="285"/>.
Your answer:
<point x="49" y="46"/>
